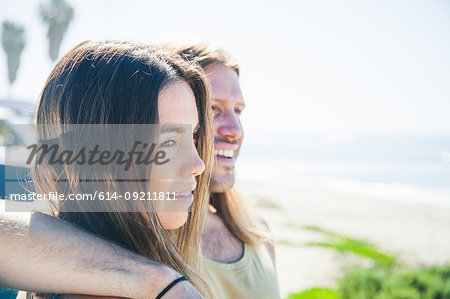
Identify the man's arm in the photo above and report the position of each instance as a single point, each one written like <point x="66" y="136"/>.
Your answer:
<point x="42" y="253"/>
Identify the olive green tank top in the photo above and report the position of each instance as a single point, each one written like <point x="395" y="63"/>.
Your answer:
<point x="253" y="276"/>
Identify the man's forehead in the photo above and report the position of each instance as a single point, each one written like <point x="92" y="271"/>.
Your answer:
<point x="224" y="92"/>
<point x="224" y="83"/>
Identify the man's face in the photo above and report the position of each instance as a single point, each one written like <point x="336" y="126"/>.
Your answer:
<point x="227" y="104"/>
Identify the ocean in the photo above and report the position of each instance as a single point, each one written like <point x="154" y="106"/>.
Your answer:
<point x="412" y="167"/>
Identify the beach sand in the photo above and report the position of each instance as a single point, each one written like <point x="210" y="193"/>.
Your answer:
<point x="405" y="222"/>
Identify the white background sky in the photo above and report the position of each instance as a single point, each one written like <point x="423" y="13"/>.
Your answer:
<point x="332" y="67"/>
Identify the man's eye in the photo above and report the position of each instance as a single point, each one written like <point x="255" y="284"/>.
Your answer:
<point x="237" y="111"/>
<point x="168" y="143"/>
<point x="215" y="109"/>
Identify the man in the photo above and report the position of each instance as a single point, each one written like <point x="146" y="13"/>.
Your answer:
<point x="232" y="236"/>
<point x="238" y="256"/>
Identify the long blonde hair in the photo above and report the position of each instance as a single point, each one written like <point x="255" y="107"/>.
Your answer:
<point x="118" y="82"/>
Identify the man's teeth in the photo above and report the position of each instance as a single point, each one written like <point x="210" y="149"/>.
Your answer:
<point x="224" y="153"/>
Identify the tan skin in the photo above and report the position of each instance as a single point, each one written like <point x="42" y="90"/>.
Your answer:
<point x="176" y="105"/>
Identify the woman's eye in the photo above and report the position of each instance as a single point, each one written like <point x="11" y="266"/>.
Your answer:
<point x="237" y="111"/>
<point x="168" y="143"/>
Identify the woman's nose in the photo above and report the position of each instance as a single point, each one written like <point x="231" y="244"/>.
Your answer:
<point x="196" y="167"/>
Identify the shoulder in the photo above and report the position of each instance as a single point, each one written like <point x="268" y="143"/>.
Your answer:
<point x="270" y="244"/>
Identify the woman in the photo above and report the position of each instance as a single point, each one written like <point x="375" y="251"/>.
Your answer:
<point x="118" y="82"/>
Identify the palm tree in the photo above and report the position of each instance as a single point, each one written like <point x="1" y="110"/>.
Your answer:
<point x="57" y="15"/>
<point x="13" y="42"/>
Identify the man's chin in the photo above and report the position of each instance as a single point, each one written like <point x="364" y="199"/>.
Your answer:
<point x="221" y="184"/>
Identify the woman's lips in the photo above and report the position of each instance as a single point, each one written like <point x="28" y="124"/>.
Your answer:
<point x="187" y="196"/>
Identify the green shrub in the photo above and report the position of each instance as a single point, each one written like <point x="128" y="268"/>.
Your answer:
<point x="424" y="283"/>
<point x="315" y="293"/>
<point x="386" y="279"/>
<point x="345" y="244"/>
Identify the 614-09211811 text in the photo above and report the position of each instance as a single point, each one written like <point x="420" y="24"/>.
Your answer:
<point x="56" y="196"/>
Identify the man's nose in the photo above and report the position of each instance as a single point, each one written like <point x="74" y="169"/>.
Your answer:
<point x="229" y="126"/>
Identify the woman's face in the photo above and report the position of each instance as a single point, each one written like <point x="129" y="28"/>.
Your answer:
<point x="176" y="105"/>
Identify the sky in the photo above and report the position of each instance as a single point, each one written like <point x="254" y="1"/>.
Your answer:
<point x="336" y="68"/>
